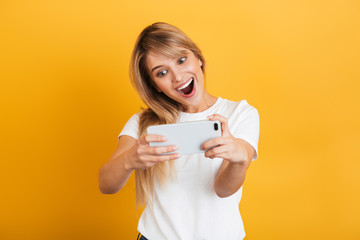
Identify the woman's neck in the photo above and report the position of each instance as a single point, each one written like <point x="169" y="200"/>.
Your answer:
<point x="206" y="102"/>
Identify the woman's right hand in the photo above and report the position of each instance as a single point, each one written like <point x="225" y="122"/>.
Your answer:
<point x="142" y="156"/>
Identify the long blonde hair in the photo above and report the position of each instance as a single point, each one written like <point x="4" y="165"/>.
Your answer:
<point x="164" y="39"/>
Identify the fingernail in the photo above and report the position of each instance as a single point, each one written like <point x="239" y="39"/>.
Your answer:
<point x="164" y="138"/>
<point x="175" y="147"/>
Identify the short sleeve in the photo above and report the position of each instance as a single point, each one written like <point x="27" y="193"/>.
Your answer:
<point x="131" y="128"/>
<point x="246" y="125"/>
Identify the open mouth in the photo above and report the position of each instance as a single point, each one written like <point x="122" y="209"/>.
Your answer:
<point x="187" y="88"/>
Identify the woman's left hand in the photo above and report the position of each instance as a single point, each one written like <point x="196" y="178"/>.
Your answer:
<point x="228" y="147"/>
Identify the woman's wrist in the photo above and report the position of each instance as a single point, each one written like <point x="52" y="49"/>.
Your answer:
<point x="127" y="160"/>
<point x="239" y="165"/>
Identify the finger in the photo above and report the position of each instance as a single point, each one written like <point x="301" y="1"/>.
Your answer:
<point x="218" y="117"/>
<point x="217" y="151"/>
<point x="224" y="123"/>
<point x="152" y="138"/>
<point x="215" y="142"/>
<point x="161" y="150"/>
<point x="162" y="158"/>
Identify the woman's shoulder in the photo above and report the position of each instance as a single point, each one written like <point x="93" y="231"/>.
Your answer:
<point x="134" y="117"/>
<point x="239" y="106"/>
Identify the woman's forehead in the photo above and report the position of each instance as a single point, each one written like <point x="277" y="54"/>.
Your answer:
<point x="171" y="53"/>
<point x="156" y="57"/>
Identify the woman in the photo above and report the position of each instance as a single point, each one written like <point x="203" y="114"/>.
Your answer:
<point x="192" y="196"/>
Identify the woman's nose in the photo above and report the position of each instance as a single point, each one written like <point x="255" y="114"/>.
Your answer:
<point x="178" y="76"/>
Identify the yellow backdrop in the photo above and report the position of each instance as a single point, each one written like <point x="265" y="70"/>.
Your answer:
<point x="65" y="96"/>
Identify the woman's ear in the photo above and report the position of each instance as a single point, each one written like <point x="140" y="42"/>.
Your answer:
<point x="200" y="62"/>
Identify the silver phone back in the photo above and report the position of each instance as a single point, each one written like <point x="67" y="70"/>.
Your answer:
<point x="188" y="136"/>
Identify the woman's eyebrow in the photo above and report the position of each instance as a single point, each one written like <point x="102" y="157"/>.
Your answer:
<point x="156" y="68"/>
<point x="182" y="52"/>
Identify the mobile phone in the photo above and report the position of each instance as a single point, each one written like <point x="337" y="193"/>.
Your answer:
<point x="188" y="136"/>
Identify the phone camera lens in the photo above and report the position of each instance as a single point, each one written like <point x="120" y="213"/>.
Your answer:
<point x="216" y="127"/>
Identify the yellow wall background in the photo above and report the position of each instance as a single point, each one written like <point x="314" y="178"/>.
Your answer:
<point x="65" y="96"/>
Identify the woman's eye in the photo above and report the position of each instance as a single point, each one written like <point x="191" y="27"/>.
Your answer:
<point x="181" y="60"/>
<point x="162" y="73"/>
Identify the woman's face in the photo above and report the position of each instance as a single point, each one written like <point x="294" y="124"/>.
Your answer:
<point x="179" y="78"/>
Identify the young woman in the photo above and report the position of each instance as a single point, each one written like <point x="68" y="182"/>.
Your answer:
<point x="188" y="197"/>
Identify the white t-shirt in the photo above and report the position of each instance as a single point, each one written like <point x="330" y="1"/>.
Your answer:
<point x="187" y="207"/>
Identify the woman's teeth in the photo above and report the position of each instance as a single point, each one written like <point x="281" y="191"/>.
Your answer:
<point x="185" y="85"/>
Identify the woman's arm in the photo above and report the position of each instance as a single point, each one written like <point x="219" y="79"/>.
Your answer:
<point x="114" y="174"/>
<point x="231" y="175"/>
<point x="131" y="154"/>
<point x="237" y="155"/>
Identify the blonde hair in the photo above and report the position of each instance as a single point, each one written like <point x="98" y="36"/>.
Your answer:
<point x="164" y="39"/>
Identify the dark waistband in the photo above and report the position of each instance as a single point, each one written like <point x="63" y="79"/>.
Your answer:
<point x="141" y="237"/>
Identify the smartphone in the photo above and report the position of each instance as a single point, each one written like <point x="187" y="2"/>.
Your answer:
<point x="188" y="136"/>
